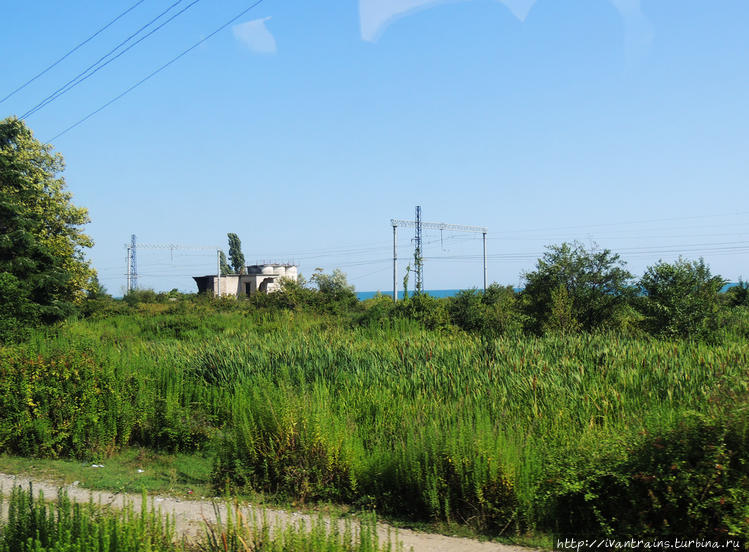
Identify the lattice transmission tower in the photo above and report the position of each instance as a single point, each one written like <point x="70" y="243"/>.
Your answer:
<point x="132" y="265"/>
<point x="419" y="225"/>
<point x="132" y="270"/>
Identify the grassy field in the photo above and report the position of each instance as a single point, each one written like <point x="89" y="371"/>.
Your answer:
<point x="594" y="432"/>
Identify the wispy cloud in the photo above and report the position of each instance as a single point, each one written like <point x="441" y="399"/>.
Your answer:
<point x="376" y="15"/>
<point x="256" y="36"/>
<point x="638" y="29"/>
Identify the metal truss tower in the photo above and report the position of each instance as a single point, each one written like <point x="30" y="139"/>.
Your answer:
<point x="132" y="265"/>
<point x="419" y="225"/>
<point x="132" y="273"/>
<point x="418" y="257"/>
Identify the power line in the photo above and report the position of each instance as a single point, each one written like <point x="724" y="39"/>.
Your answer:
<point x="583" y="226"/>
<point x="32" y="79"/>
<point x="167" y="64"/>
<point x="78" y="79"/>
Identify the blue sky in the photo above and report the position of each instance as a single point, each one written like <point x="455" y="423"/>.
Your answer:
<point x="305" y="127"/>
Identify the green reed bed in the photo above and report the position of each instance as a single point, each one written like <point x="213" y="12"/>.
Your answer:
<point x="506" y="434"/>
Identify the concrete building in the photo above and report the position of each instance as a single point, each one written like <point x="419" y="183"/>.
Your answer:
<point x="265" y="278"/>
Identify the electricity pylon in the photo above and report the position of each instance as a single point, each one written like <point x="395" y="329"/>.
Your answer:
<point x="419" y="225"/>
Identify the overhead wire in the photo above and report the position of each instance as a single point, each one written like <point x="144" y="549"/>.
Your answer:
<point x="97" y="33"/>
<point x="93" y="68"/>
<point x="692" y="217"/>
<point x="157" y="71"/>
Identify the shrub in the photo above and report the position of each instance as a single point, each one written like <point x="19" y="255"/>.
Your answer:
<point x="681" y="299"/>
<point x="688" y="479"/>
<point x="428" y="310"/>
<point x="561" y="318"/>
<point x="738" y="295"/>
<point x="377" y="310"/>
<point x="493" y="312"/>
<point x="61" y="404"/>
<point x="596" y="283"/>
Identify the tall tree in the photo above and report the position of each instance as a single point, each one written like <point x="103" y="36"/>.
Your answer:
<point x="224" y="266"/>
<point x="236" y="257"/>
<point x="43" y="274"/>
<point x="595" y="281"/>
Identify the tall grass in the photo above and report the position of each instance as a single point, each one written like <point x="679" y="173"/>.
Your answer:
<point x="505" y="434"/>
<point x="254" y="532"/>
<point x="34" y="525"/>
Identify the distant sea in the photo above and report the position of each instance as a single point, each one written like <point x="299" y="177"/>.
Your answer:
<point x="362" y="295"/>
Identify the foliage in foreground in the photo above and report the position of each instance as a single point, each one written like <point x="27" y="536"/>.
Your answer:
<point x="34" y="525"/>
<point x="42" y="270"/>
<point x="255" y="533"/>
<point x="504" y="434"/>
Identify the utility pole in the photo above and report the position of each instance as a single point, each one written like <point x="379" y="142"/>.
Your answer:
<point x="218" y="270"/>
<point x="483" y="234"/>
<point x="395" y="262"/>
<point x="441" y="226"/>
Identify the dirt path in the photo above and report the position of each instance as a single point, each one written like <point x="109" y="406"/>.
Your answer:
<point x="189" y="516"/>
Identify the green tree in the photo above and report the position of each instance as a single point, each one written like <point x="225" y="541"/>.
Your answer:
<point x="596" y="284"/>
<point x="95" y="289"/>
<point x="493" y="312"/>
<point x="738" y="295"/>
<point x="236" y="257"/>
<point x="334" y="284"/>
<point x="43" y="274"/>
<point x="223" y="265"/>
<point x="561" y="318"/>
<point x="681" y="298"/>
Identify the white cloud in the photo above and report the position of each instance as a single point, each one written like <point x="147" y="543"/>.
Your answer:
<point x="256" y="36"/>
<point x="637" y="28"/>
<point x="376" y="15"/>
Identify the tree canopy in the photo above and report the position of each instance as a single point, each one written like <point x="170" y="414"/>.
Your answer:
<point x="236" y="257"/>
<point x="583" y="286"/>
<point x="681" y="298"/>
<point x="43" y="273"/>
<point x="223" y="265"/>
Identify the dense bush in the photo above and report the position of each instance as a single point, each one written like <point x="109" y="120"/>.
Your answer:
<point x="688" y="479"/>
<point x="681" y="299"/>
<point x="60" y="404"/>
<point x="428" y="310"/>
<point x="595" y="286"/>
<point x="738" y="295"/>
<point x="494" y="312"/>
<point x="64" y="399"/>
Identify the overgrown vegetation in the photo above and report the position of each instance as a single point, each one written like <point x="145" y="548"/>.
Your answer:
<point x="507" y="435"/>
